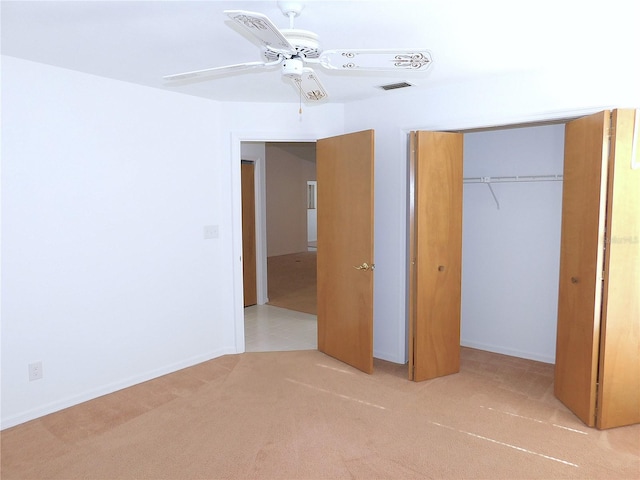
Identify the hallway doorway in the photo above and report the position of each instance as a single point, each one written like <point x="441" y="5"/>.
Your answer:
<point x="284" y="315"/>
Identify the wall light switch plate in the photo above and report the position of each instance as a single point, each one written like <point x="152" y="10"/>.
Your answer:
<point x="211" y="231"/>
<point x="35" y="371"/>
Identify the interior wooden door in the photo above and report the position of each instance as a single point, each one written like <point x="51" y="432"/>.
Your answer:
<point x="249" y="234"/>
<point x="435" y="254"/>
<point x="619" y="368"/>
<point x="345" y="248"/>
<point x="581" y="264"/>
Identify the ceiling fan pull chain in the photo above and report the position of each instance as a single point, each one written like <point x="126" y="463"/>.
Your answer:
<point x="300" y="100"/>
<point x="298" y="81"/>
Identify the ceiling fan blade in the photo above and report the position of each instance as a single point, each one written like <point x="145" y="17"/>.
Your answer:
<point x="309" y="86"/>
<point x="216" y="71"/>
<point x="263" y="29"/>
<point x="378" y="60"/>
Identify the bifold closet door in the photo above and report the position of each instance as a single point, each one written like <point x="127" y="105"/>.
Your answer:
<point x="597" y="370"/>
<point x="581" y="257"/>
<point x="618" y="401"/>
<point x="435" y="223"/>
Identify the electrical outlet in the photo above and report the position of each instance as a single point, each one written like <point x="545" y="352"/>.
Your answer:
<point x="35" y="371"/>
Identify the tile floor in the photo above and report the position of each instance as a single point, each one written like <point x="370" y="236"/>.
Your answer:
<point x="270" y="329"/>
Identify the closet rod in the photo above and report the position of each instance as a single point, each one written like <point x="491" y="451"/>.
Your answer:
<point x="516" y="178"/>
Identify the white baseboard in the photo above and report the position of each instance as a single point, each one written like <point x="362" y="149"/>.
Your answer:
<point x="106" y="389"/>
<point x="388" y="357"/>
<point x="507" y="351"/>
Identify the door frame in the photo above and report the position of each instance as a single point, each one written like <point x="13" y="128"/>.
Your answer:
<point x="261" y="229"/>
<point x="261" y="222"/>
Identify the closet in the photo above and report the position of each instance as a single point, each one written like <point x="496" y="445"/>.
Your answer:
<point x="597" y="355"/>
<point x="597" y="370"/>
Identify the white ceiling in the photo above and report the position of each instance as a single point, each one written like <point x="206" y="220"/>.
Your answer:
<point x="141" y="41"/>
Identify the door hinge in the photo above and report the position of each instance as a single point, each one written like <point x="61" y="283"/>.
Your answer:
<point x="609" y="132"/>
<point x="595" y="410"/>
<point x="611" y="129"/>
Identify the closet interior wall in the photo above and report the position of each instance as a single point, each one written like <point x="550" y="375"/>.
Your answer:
<point x="511" y="240"/>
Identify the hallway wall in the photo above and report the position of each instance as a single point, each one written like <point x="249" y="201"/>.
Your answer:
<point x="287" y="172"/>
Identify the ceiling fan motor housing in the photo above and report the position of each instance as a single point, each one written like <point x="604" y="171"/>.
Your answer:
<point x="305" y="42"/>
<point x="292" y="67"/>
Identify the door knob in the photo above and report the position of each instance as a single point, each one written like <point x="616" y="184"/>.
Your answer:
<point x="365" y="266"/>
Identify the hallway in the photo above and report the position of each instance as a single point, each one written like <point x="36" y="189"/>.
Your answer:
<point x="268" y="329"/>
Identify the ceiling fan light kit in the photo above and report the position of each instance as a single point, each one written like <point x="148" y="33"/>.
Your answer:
<point x="294" y="48"/>
<point x="292" y="67"/>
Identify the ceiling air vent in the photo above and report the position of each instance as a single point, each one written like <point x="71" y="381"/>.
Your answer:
<point x="394" y="86"/>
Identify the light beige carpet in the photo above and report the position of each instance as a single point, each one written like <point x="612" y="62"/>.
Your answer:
<point x="303" y="415"/>
<point x="292" y="282"/>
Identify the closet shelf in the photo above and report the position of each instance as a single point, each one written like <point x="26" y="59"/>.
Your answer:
<point x="516" y="178"/>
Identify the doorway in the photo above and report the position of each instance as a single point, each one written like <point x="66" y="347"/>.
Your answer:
<point x="284" y="317"/>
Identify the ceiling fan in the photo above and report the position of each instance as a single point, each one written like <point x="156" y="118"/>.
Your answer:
<point x="293" y="49"/>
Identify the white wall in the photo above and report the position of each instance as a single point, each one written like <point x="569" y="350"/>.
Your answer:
<point x="501" y="100"/>
<point x="287" y="176"/>
<point x="106" y="276"/>
<point x="106" y="188"/>
<point x="511" y="255"/>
